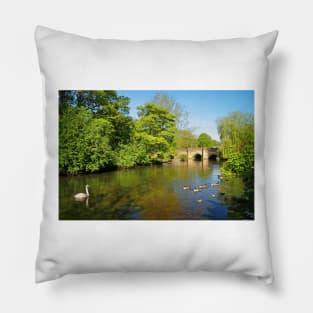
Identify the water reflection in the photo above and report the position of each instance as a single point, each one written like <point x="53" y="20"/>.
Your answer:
<point x="156" y="193"/>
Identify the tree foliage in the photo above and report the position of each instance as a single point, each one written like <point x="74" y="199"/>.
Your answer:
<point x="83" y="142"/>
<point x="156" y="130"/>
<point x="236" y="132"/>
<point x="185" y="139"/>
<point x="132" y="154"/>
<point x="96" y="132"/>
<point x="205" y="140"/>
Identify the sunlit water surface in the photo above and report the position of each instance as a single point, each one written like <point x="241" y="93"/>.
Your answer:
<point x="155" y="193"/>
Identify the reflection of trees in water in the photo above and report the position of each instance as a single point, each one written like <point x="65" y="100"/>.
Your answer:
<point x="240" y="201"/>
<point x="154" y="192"/>
<point x="122" y="195"/>
<point x="242" y="207"/>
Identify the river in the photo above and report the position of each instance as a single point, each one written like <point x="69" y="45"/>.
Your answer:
<point x="156" y="193"/>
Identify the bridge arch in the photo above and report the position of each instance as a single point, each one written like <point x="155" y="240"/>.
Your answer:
<point x="213" y="157"/>
<point x="197" y="157"/>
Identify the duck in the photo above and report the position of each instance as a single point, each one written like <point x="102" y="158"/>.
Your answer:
<point x="220" y="176"/>
<point x="197" y="190"/>
<point x="186" y="187"/>
<point x="203" y="186"/>
<point x="82" y="195"/>
<point x="199" y="200"/>
<point x="215" y="184"/>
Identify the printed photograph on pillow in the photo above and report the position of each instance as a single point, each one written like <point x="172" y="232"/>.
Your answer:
<point x="156" y="155"/>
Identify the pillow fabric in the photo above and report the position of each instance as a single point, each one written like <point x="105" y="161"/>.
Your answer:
<point x="71" y="240"/>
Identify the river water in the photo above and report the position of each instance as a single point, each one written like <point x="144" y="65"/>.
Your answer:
<point x="156" y="193"/>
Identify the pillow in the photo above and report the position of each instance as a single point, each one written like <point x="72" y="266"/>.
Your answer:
<point x="155" y="155"/>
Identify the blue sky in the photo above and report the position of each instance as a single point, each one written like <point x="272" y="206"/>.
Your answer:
<point x="204" y="107"/>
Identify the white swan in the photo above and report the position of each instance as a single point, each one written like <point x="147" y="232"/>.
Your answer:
<point x="81" y="195"/>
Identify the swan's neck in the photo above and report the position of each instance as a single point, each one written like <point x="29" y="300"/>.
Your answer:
<point x="87" y="191"/>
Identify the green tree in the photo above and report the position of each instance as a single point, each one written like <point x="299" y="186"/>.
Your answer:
<point x="96" y="132"/>
<point x="156" y="130"/>
<point x="100" y="101"/>
<point x="66" y="98"/>
<point x="205" y="140"/>
<point x="236" y="132"/>
<point x="185" y="139"/>
<point x="105" y="104"/>
<point x="83" y="142"/>
<point x="215" y="143"/>
<point x="131" y="155"/>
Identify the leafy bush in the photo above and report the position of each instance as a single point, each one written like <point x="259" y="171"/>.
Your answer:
<point x="131" y="155"/>
<point x="83" y="142"/>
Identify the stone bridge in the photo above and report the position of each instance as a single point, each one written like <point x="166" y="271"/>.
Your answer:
<point x="198" y="153"/>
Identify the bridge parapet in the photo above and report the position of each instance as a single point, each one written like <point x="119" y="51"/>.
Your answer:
<point x="198" y="153"/>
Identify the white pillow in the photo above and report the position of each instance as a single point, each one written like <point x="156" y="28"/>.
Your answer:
<point x="70" y="62"/>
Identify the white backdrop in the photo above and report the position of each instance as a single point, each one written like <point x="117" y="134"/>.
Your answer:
<point x="289" y="126"/>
